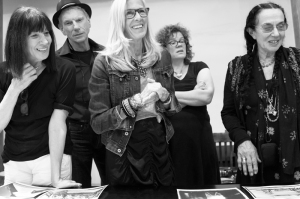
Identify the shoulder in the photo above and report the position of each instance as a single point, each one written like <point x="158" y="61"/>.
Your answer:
<point x="95" y="46"/>
<point x="237" y="63"/>
<point x="101" y="62"/>
<point x="5" y="76"/>
<point x="165" y="56"/>
<point x="64" y="65"/>
<point x="198" y="65"/>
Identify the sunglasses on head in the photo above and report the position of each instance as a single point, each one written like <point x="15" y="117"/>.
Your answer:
<point x="130" y="13"/>
<point x="24" y="105"/>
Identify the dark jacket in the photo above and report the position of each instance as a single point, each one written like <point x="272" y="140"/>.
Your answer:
<point x="83" y="74"/>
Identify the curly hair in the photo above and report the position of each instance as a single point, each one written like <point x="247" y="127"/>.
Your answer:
<point x="167" y="32"/>
<point x="251" y="22"/>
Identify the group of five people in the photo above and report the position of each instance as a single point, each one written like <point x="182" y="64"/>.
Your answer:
<point x="138" y="105"/>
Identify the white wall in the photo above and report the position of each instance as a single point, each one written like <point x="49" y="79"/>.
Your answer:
<point x="216" y="28"/>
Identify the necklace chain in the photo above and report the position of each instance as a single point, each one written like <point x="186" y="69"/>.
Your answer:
<point x="264" y="65"/>
<point x="271" y="110"/>
<point x="178" y="75"/>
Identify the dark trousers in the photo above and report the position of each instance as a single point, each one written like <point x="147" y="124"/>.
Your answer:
<point x="86" y="147"/>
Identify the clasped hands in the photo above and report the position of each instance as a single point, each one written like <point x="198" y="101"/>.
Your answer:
<point x="151" y="93"/>
<point x="247" y="158"/>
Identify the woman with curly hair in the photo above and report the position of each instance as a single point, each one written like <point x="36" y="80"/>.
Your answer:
<point x="261" y="100"/>
<point x="192" y="146"/>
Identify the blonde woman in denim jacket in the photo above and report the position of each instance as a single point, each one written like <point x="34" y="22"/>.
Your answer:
<point x="132" y="90"/>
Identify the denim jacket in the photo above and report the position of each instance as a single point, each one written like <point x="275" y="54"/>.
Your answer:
<point x="109" y="87"/>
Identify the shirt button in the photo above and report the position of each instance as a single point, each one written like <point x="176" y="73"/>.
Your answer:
<point x="119" y="150"/>
<point x="126" y="133"/>
<point x="136" y="78"/>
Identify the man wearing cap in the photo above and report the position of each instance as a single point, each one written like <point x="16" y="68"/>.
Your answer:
<point x="73" y="19"/>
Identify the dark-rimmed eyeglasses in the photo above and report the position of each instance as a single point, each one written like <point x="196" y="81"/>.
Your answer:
<point x="268" y="28"/>
<point x="24" y="105"/>
<point x="175" y="43"/>
<point x="130" y="13"/>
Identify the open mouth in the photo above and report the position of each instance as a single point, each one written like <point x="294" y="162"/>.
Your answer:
<point x="274" y="41"/>
<point x="137" y="26"/>
<point x="42" y="49"/>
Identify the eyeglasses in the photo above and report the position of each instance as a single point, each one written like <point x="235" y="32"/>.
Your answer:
<point x="143" y="12"/>
<point x="24" y="105"/>
<point x="268" y="28"/>
<point x="175" y="43"/>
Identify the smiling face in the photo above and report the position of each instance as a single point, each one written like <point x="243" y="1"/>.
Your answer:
<point x="135" y="28"/>
<point x="178" y="49"/>
<point x="75" y="24"/>
<point x="38" y="46"/>
<point x="268" y="43"/>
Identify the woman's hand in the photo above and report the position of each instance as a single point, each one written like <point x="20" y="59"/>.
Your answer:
<point x="28" y="76"/>
<point x="66" y="184"/>
<point x="247" y="158"/>
<point x="201" y="85"/>
<point x="153" y="92"/>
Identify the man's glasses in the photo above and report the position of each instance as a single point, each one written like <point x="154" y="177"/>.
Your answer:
<point x="143" y="12"/>
<point x="175" y="43"/>
<point x="268" y="28"/>
<point x="24" y="105"/>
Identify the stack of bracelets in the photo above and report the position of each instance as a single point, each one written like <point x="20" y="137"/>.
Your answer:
<point x="130" y="105"/>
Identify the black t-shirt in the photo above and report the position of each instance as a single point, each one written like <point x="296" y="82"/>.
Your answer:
<point x="27" y="136"/>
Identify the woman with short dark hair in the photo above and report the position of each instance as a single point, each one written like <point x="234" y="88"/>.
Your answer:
<point x="36" y="96"/>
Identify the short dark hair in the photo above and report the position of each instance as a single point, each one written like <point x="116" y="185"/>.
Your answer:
<point x="22" y="23"/>
<point x="251" y="21"/>
<point x="166" y="32"/>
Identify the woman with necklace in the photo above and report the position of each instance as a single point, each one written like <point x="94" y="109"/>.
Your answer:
<point x="132" y="91"/>
<point x="36" y="95"/>
<point x="260" y="109"/>
<point x="192" y="146"/>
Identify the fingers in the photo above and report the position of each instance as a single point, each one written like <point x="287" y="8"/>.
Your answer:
<point x="67" y="184"/>
<point x="244" y="166"/>
<point x="149" y="80"/>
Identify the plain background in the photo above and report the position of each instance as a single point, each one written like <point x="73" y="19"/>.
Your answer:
<point x="216" y="29"/>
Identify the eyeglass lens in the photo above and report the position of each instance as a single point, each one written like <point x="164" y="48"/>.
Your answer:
<point x="24" y="105"/>
<point x="269" y="27"/>
<point x="175" y="43"/>
<point x="143" y="12"/>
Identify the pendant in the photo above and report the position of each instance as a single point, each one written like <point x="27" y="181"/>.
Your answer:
<point x="24" y="109"/>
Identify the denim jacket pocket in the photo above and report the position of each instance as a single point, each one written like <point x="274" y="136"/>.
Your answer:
<point x="119" y="86"/>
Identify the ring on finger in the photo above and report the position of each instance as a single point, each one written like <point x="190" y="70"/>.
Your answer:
<point x="244" y="160"/>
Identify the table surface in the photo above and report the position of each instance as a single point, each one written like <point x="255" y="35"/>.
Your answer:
<point x="111" y="192"/>
<point x="142" y="192"/>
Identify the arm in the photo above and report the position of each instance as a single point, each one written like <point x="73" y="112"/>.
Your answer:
<point x="237" y="131"/>
<point x="198" y="96"/>
<point x="57" y="137"/>
<point x="104" y="117"/>
<point x="9" y="100"/>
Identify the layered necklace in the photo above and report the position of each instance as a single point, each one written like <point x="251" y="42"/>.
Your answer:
<point x="271" y="113"/>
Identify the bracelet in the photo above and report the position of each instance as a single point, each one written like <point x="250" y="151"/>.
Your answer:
<point x="168" y="100"/>
<point x="127" y="107"/>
